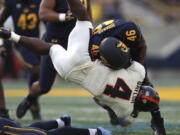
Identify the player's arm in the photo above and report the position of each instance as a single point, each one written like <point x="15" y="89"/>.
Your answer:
<point x="34" y="44"/>
<point x="4" y="15"/>
<point x="46" y="12"/>
<point x="79" y="10"/>
<point x="89" y="9"/>
<point x="141" y="51"/>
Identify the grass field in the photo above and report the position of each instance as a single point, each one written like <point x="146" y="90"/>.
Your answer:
<point x="85" y="113"/>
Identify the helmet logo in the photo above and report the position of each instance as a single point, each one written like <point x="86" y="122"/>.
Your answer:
<point x="123" y="47"/>
<point x="104" y="60"/>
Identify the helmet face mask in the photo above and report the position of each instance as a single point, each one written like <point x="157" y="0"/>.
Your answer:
<point x="147" y="99"/>
<point x="114" y="53"/>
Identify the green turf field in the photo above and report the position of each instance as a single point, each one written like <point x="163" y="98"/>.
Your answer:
<point x="85" y="113"/>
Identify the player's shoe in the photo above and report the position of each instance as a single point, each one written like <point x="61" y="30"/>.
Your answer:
<point x="23" y="107"/>
<point x="35" y="110"/>
<point x="67" y="119"/>
<point x="120" y="121"/>
<point x="102" y="131"/>
<point x="4" y="113"/>
<point x="158" y="126"/>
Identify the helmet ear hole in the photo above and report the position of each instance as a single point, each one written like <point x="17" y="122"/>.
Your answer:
<point x="114" y="53"/>
<point x="147" y="99"/>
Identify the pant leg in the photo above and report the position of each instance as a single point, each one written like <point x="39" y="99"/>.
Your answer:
<point x="69" y="131"/>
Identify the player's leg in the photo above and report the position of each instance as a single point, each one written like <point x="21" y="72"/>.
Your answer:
<point x="52" y="124"/>
<point x="31" y="62"/>
<point x="46" y="80"/>
<point x="11" y="130"/>
<point x="8" y="122"/>
<point x="79" y="131"/>
<point x="3" y="110"/>
<point x="77" y="50"/>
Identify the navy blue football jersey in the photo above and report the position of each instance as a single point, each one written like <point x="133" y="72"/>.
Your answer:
<point x="128" y="32"/>
<point x="25" y="16"/>
<point x="61" y="29"/>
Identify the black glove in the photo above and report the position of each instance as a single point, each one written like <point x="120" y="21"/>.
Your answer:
<point x="5" y="34"/>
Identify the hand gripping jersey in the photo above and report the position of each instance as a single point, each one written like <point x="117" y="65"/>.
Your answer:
<point x="115" y="88"/>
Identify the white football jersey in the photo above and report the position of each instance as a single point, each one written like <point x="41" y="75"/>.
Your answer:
<point x="115" y="88"/>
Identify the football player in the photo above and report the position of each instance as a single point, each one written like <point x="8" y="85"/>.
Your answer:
<point x="117" y="89"/>
<point x="26" y="22"/>
<point x="61" y="126"/>
<point x="59" y="23"/>
<point x="130" y="34"/>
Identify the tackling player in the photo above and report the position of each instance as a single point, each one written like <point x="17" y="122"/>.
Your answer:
<point x="118" y="89"/>
<point x="26" y="22"/>
<point x="59" y="23"/>
<point x="61" y="126"/>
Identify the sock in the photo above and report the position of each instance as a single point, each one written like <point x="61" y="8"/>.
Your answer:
<point x="68" y="131"/>
<point x="47" y="125"/>
<point x="92" y="131"/>
<point x="60" y="123"/>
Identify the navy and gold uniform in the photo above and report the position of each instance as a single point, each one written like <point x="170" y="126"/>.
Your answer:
<point x="127" y="32"/>
<point x="26" y="22"/>
<point x="57" y="32"/>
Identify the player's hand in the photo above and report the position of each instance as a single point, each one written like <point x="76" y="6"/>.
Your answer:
<point x="5" y="34"/>
<point x="69" y="16"/>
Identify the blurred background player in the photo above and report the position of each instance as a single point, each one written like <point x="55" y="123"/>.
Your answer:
<point x="59" y="23"/>
<point x="60" y="126"/>
<point x="26" y="21"/>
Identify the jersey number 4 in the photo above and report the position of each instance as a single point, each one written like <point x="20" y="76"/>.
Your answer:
<point x="120" y="90"/>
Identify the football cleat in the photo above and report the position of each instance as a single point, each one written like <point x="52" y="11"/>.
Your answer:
<point x="23" y="107"/>
<point x="102" y="131"/>
<point x="158" y="126"/>
<point x="67" y="119"/>
<point x="35" y="110"/>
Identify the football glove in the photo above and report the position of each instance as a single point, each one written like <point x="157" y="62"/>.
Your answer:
<point x="5" y="34"/>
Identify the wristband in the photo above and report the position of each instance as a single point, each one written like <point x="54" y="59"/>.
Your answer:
<point x="62" y="17"/>
<point x="15" y="37"/>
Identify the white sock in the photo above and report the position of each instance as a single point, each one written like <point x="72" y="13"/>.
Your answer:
<point x="60" y="123"/>
<point x="92" y="131"/>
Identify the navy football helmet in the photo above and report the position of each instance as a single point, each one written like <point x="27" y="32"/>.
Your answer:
<point x="114" y="53"/>
<point x="147" y="99"/>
